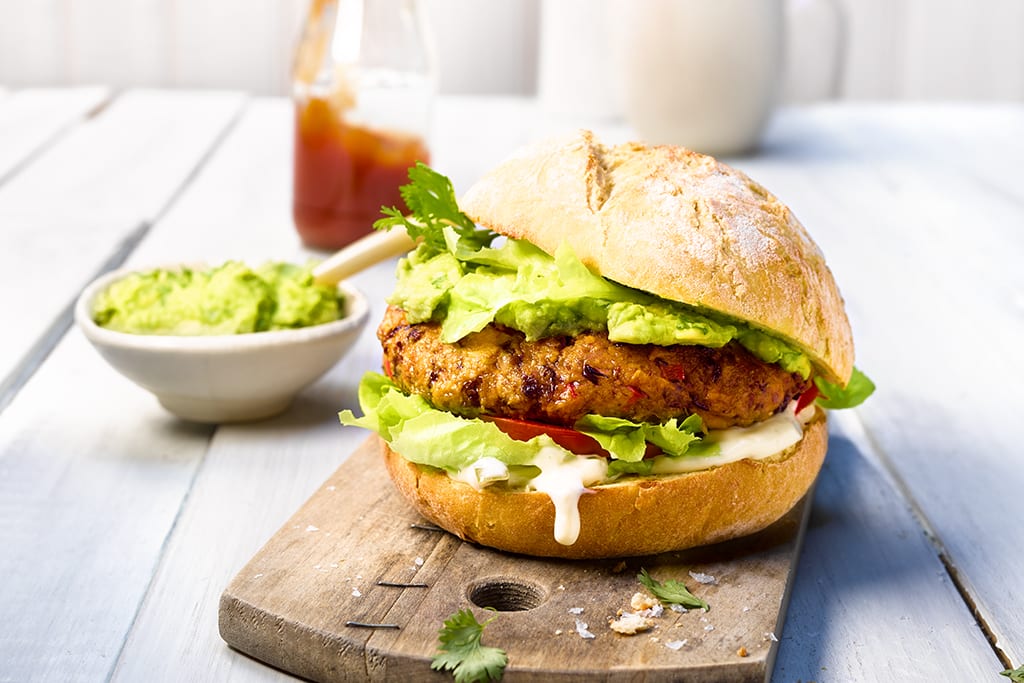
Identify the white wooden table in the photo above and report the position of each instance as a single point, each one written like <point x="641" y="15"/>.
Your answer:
<point x="120" y="525"/>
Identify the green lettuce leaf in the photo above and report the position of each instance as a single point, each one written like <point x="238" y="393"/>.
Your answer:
<point x="617" y="468"/>
<point x="835" y="397"/>
<point x="628" y="440"/>
<point x="437" y="438"/>
<point x="432" y="437"/>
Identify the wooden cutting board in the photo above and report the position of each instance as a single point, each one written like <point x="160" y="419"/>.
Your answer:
<point x="290" y="604"/>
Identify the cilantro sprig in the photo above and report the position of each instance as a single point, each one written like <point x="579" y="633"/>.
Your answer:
<point x="432" y="207"/>
<point x="461" y="653"/>
<point x="1015" y="675"/>
<point x="671" y="591"/>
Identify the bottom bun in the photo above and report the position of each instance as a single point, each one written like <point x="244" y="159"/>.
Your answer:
<point x="635" y="516"/>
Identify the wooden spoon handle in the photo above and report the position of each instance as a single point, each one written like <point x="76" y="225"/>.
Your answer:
<point x="362" y="254"/>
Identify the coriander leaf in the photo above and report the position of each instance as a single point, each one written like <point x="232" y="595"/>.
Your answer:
<point x="672" y="591"/>
<point x="460" y="651"/>
<point x="1015" y="675"/>
<point x="432" y="206"/>
<point x="836" y="397"/>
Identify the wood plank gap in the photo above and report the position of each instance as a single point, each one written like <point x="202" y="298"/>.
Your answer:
<point x="40" y="351"/>
<point x="852" y="422"/>
<point x="57" y="136"/>
<point x="160" y="558"/>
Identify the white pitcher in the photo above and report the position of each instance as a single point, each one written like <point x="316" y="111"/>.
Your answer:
<point x="701" y="73"/>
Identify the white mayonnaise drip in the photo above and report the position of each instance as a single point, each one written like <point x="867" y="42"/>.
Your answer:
<point x="564" y="477"/>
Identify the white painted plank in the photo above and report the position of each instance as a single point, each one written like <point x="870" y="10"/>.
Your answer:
<point x="94" y="471"/>
<point x="927" y="254"/>
<point x="872" y="601"/>
<point x="70" y="210"/>
<point x="254" y="476"/>
<point x="91" y="482"/>
<point x="239" y="205"/>
<point x="111" y="168"/>
<point x="30" y="118"/>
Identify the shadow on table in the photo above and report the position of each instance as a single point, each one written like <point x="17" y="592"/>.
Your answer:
<point x="862" y="545"/>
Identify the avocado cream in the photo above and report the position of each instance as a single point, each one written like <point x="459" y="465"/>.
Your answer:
<point x="229" y="299"/>
<point x="522" y="287"/>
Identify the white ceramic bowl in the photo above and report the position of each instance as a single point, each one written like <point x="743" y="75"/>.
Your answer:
<point x="224" y="378"/>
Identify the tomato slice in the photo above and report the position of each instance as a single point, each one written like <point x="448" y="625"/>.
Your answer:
<point x="807" y="398"/>
<point x="566" y="437"/>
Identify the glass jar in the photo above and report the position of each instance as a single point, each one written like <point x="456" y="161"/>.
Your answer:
<point x="363" y="84"/>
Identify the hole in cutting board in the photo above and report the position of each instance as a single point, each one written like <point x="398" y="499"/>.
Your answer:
<point x="505" y="594"/>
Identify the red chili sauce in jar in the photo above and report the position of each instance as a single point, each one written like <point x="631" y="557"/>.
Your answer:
<point x="344" y="174"/>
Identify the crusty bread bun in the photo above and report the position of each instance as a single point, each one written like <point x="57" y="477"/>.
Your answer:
<point x="678" y="224"/>
<point x="635" y="516"/>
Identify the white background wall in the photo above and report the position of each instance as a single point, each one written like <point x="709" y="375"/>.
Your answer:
<point x="864" y="49"/>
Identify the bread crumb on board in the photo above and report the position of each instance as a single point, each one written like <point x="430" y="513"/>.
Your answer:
<point x="630" y="623"/>
<point x="742" y="652"/>
<point x="641" y="601"/>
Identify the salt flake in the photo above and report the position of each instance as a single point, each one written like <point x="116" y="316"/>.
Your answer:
<point x="701" y="577"/>
<point x="581" y="628"/>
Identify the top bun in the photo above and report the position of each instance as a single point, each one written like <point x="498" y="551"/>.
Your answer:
<point x="677" y="224"/>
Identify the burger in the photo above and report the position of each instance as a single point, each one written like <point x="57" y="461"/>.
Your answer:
<point x="606" y="350"/>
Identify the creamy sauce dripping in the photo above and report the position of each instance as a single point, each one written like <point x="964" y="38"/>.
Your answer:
<point x="565" y="477"/>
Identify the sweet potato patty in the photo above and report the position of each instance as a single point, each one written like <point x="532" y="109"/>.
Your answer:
<point x="560" y="379"/>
